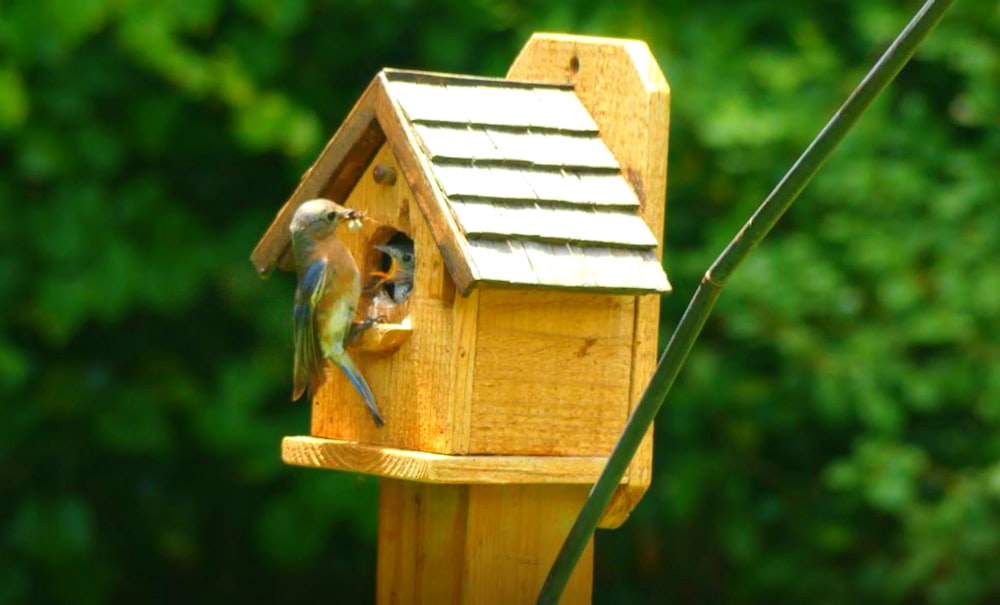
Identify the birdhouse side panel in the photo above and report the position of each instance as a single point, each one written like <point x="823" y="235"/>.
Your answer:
<point x="552" y="372"/>
<point x="408" y="383"/>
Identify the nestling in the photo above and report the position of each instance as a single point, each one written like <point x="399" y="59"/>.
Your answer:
<point x="327" y="295"/>
<point x="400" y="272"/>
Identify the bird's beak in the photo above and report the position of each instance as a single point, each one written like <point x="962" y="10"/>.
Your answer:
<point x="393" y="269"/>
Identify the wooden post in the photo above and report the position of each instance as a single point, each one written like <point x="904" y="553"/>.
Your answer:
<point x="475" y="543"/>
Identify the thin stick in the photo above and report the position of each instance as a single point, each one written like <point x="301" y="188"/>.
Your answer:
<point x="700" y="307"/>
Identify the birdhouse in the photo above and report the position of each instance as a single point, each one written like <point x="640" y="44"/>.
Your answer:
<point x="507" y="368"/>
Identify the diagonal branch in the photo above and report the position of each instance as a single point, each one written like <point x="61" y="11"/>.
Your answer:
<point x="700" y="307"/>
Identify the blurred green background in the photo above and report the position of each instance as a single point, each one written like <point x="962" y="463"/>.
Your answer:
<point x="834" y="438"/>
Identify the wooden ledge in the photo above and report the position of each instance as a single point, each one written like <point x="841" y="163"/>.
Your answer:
<point x="385" y="338"/>
<point x="439" y="468"/>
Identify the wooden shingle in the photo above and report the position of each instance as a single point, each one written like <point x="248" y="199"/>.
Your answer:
<point x="552" y="149"/>
<point x="427" y="102"/>
<point x="522" y="170"/>
<point x="563" y="110"/>
<point x="455" y="142"/>
<point x="499" y="220"/>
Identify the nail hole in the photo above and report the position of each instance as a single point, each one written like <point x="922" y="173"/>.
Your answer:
<point x="574" y="65"/>
<point x="384" y="174"/>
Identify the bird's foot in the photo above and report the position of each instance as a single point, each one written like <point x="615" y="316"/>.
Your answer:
<point x="358" y="328"/>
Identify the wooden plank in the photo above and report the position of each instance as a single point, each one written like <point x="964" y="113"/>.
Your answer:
<point x="499" y="263"/>
<point x="552" y="149"/>
<point x="466" y="333"/>
<point x="499" y="105"/>
<point x="421" y="542"/>
<point x="552" y="372"/>
<point x="552" y="224"/>
<point x="493" y="146"/>
<point x="505" y="262"/>
<point x="624" y="90"/>
<point x="432" y="102"/>
<point x="474" y="216"/>
<point x="530" y="183"/>
<point x="485" y="182"/>
<point x="640" y="472"/>
<point x="452" y="142"/>
<point x="335" y="171"/>
<point x="615" y="268"/>
<point x="508" y="565"/>
<point x="550" y="108"/>
<point x="554" y="185"/>
<point x="605" y="189"/>
<point x="439" y="78"/>
<point x="459" y="179"/>
<point x="429" y="467"/>
<point x="564" y="110"/>
<point x="575" y="187"/>
<point x="558" y="265"/>
<point x="441" y="544"/>
<point x="385" y="338"/>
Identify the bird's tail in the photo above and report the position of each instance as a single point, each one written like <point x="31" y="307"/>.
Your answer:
<point x="354" y="375"/>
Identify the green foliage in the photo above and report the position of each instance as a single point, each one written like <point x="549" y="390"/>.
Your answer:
<point x="832" y="439"/>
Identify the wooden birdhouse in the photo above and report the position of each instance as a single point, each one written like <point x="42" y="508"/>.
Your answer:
<point x="535" y="208"/>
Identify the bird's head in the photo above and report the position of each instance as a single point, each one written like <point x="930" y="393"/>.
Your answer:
<point x="319" y="219"/>
<point x="401" y="262"/>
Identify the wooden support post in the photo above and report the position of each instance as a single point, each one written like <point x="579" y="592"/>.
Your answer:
<point x="475" y="543"/>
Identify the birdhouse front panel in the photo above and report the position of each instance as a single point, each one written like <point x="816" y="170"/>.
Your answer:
<point x="410" y="381"/>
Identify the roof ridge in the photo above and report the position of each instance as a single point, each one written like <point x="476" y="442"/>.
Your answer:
<point x="555" y="169"/>
<point x="435" y="77"/>
<point x="509" y="128"/>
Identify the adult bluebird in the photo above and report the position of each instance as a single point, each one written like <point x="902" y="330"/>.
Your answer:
<point x="327" y="295"/>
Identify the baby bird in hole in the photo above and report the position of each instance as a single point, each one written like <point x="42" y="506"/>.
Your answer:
<point x="399" y="274"/>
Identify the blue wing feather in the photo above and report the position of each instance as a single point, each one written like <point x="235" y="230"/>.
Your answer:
<point x="346" y="364"/>
<point x="308" y="357"/>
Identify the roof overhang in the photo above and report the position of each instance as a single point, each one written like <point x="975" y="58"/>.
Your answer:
<point x="374" y="120"/>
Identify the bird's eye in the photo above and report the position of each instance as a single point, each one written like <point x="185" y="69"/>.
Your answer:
<point x="407" y="257"/>
<point x="331" y="216"/>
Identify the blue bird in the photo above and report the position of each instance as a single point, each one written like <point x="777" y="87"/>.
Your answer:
<point x="326" y="298"/>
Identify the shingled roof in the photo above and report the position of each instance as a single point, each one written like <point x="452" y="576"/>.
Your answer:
<point x="514" y="179"/>
<point x="537" y="194"/>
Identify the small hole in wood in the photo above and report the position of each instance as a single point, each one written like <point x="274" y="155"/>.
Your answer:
<point x="574" y="65"/>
